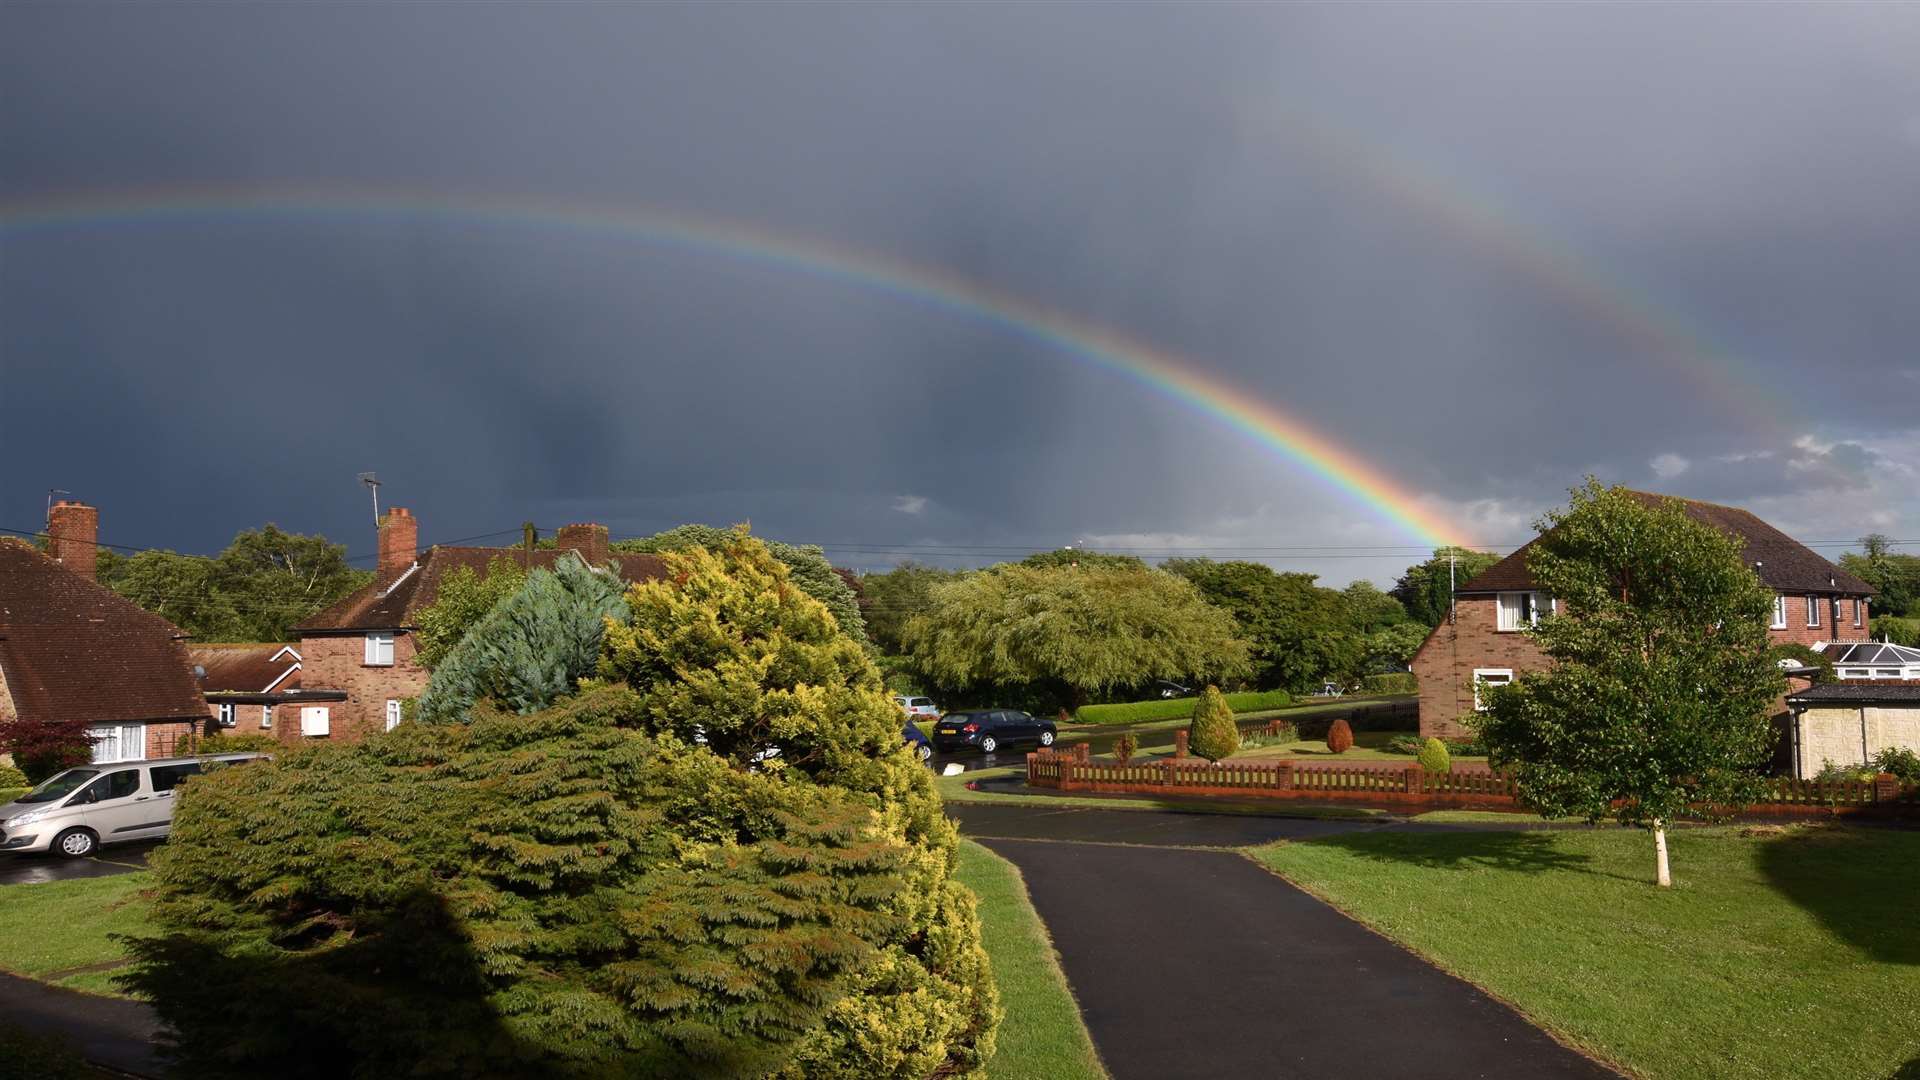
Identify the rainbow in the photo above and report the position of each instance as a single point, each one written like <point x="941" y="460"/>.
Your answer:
<point x="1153" y="368"/>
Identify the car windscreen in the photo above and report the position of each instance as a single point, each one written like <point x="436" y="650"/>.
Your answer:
<point x="59" y="787"/>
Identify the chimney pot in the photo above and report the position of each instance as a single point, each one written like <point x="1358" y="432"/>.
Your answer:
<point x="73" y="533"/>
<point x="399" y="543"/>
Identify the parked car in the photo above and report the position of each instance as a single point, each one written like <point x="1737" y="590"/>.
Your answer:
<point x="987" y="730"/>
<point x="76" y="811"/>
<point x="918" y="708"/>
<point x="917" y="739"/>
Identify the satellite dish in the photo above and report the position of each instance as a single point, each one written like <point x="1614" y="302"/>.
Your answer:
<point x="199" y="672"/>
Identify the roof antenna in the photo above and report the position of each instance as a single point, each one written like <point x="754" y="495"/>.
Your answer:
<point x="373" y="485"/>
<point x="51" y="492"/>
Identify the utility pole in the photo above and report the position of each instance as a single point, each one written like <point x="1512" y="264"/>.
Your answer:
<point x="373" y="485"/>
<point x="1453" y="557"/>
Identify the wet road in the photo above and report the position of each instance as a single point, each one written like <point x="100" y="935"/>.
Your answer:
<point x="37" y="869"/>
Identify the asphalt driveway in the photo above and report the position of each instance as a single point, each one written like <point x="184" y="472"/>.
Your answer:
<point x="1190" y="962"/>
<point x="36" y="869"/>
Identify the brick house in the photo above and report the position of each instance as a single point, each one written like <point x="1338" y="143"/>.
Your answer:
<point x="360" y="651"/>
<point x="72" y="649"/>
<point x="1484" y="642"/>
<point x="255" y="689"/>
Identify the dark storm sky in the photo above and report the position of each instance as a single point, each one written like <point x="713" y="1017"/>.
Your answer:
<point x="1489" y="248"/>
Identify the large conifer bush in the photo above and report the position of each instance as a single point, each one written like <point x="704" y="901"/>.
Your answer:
<point x="621" y="884"/>
<point x="1212" y="734"/>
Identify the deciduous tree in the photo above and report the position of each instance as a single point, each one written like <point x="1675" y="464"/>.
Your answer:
<point x="1424" y="590"/>
<point x="1301" y="634"/>
<point x="1656" y="701"/>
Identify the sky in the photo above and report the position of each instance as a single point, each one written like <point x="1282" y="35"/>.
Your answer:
<point x="1485" y="250"/>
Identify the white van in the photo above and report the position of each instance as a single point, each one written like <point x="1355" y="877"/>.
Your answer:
<point x="72" y="814"/>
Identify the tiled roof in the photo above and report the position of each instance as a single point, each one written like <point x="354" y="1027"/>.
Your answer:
<point x="247" y="669"/>
<point x="71" y="649"/>
<point x="1785" y="563"/>
<point x="1857" y="694"/>
<point x="397" y="604"/>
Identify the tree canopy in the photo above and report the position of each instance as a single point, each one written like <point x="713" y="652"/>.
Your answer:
<point x="1071" y="631"/>
<point x="806" y="563"/>
<point x="1895" y="577"/>
<point x="1301" y="634"/>
<point x="897" y="595"/>
<point x="714" y="860"/>
<point x="1656" y="701"/>
<point x="1424" y="590"/>
<point x="258" y="589"/>
<point x="463" y="599"/>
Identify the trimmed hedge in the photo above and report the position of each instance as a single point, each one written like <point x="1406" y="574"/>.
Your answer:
<point x="1398" y="682"/>
<point x="1140" y="712"/>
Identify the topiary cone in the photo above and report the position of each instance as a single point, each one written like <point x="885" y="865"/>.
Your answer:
<point x="1340" y="736"/>
<point x="1213" y="734"/>
<point x="1434" y="757"/>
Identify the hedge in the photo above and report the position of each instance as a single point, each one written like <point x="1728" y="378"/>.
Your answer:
<point x="1140" y="712"/>
<point x="1397" y="682"/>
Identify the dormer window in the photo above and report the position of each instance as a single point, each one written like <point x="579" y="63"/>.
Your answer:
<point x="379" y="650"/>
<point x="1520" y="610"/>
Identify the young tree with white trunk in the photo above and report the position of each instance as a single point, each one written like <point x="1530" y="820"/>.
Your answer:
<point x="1655" y="705"/>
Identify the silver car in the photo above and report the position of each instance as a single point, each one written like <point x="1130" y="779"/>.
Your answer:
<point x="918" y="708"/>
<point x="75" y="812"/>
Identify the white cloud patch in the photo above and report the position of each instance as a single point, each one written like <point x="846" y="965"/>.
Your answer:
<point x="910" y="504"/>
<point x="1668" y="466"/>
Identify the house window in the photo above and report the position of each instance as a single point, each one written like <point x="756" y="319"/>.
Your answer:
<point x="1779" y="612"/>
<point x="227" y="710"/>
<point x="1485" y="679"/>
<point x="118" y="742"/>
<point x="266" y="717"/>
<point x="1813" y="611"/>
<point x="393" y="713"/>
<point x="380" y="650"/>
<point x="1519" y="610"/>
<point x="315" y="720"/>
<point x="1857" y="605"/>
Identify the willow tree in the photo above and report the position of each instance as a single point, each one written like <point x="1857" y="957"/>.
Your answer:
<point x="1084" y="629"/>
<point x="1656" y="701"/>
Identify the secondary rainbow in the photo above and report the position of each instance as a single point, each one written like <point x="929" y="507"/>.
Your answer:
<point x="1147" y="365"/>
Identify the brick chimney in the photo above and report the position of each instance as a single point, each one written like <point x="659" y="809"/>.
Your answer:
<point x="73" y="529"/>
<point x="589" y="540"/>
<point x="399" y="543"/>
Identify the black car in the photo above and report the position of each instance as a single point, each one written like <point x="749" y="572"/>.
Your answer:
<point x="988" y="730"/>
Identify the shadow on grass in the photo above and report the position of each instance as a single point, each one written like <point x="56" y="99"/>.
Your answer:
<point x="403" y="994"/>
<point x="1909" y="1071"/>
<point x="1519" y="852"/>
<point x="1860" y="883"/>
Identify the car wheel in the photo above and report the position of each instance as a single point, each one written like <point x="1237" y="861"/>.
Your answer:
<point x="1046" y="738"/>
<point x="76" y="843"/>
<point x="988" y="744"/>
<point x="926" y="751"/>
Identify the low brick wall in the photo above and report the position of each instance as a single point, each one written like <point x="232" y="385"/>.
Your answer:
<point x="1396" y="786"/>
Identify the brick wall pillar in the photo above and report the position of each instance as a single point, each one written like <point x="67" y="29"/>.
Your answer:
<point x="1886" y="788"/>
<point x="1179" y="744"/>
<point x="1414" y="774"/>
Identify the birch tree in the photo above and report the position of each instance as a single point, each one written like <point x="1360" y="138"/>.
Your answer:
<point x="1656" y="702"/>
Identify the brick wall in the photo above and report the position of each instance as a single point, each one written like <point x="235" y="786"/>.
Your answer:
<point x="1445" y="663"/>
<point x="164" y="739"/>
<point x="247" y="717"/>
<point x="338" y="663"/>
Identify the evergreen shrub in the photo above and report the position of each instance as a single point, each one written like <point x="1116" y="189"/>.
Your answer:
<point x="1340" y="736"/>
<point x="1434" y="758"/>
<point x="1213" y="734"/>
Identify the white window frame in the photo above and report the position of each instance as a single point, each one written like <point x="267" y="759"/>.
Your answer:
<point x="1779" y="611"/>
<point x="1813" y="613"/>
<point x="378" y="645"/>
<point x="393" y="713"/>
<point x="1858" y="604"/>
<point x="1480" y="679"/>
<point x="316" y="720"/>
<point x="266" y="717"/>
<point x="110" y="743"/>
<point x="1537" y="604"/>
<point x="229" y="714"/>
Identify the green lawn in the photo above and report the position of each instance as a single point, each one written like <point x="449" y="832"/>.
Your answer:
<point x="1042" y="1037"/>
<point x="47" y="931"/>
<point x="1777" y="954"/>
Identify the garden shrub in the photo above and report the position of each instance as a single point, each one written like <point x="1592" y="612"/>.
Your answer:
<point x="1340" y="736"/>
<point x="230" y="742"/>
<point x="534" y="646"/>
<point x="1123" y="748"/>
<point x="1213" y="734"/>
<point x="11" y="777"/>
<point x="27" y="1054"/>
<point x="1411" y="745"/>
<point x="1397" y="682"/>
<point x="1140" y="712"/>
<point x="1434" y="758"/>
<point x="460" y="601"/>
<point x="1897" y="760"/>
<point x="615" y="885"/>
<point x="1831" y="773"/>
<point x="1804" y="656"/>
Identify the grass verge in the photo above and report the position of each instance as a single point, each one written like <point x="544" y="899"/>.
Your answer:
<point x="49" y="932"/>
<point x="1778" y="953"/>
<point x="1042" y="1037"/>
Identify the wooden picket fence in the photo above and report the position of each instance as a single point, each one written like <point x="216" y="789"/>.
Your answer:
<point x="1394" y="785"/>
